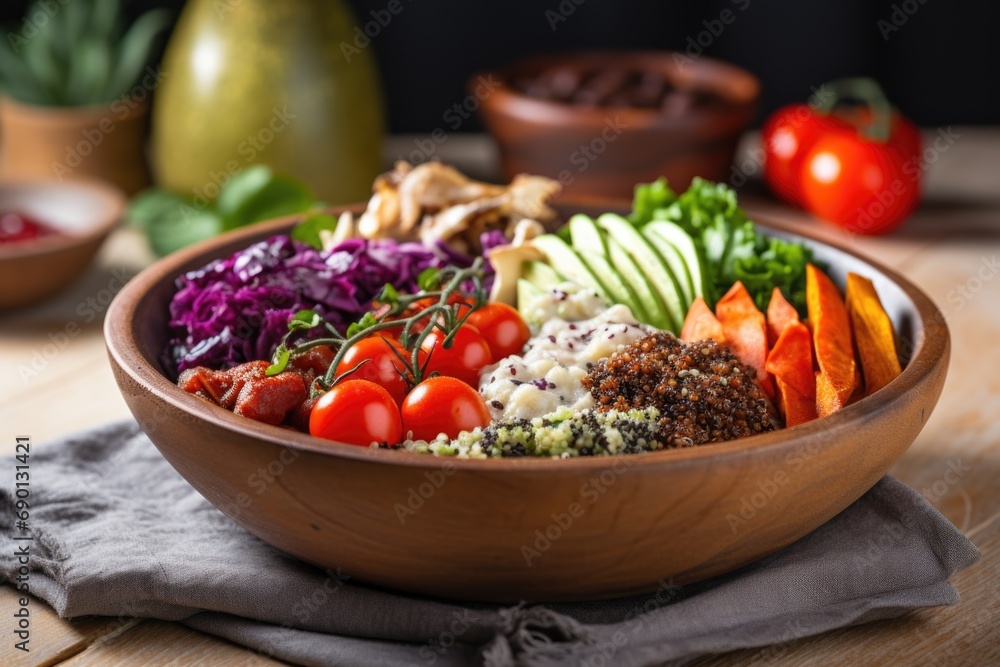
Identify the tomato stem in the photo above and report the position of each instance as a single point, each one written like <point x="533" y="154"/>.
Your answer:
<point x="864" y="90"/>
<point x="440" y="310"/>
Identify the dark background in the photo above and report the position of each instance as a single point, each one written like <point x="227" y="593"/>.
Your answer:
<point x="940" y="66"/>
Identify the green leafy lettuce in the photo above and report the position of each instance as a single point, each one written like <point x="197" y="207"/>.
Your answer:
<point x="731" y="245"/>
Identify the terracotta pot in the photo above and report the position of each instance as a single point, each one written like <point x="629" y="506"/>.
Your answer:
<point x="600" y="153"/>
<point x="275" y="83"/>
<point x="502" y="530"/>
<point x="104" y="142"/>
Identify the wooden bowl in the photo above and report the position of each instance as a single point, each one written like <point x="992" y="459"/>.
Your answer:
<point x="524" y="529"/>
<point x="603" y="152"/>
<point x="84" y="212"/>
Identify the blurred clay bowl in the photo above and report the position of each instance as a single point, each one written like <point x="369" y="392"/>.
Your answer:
<point x="603" y="151"/>
<point x="82" y="213"/>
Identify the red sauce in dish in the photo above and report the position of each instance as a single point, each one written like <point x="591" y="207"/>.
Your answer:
<point x="17" y="227"/>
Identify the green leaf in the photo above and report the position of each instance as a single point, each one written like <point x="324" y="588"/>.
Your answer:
<point x="389" y="294"/>
<point x="88" y="72"/>
<point x="135" y="51"/>
<point x="279" y="362"/>
<point x="154" y="204"/>
<point x="648" y="198"/>
<point x="169" y="236"/>
<point x="38" y="56"/>
<point x="304" y="319"/>
<point x="171" y="221"/>
<point x="257" y="194"/>
<point x="18" y="81"/>
<point x="366" y="322"/>
<point x="73" y="24"/>
<point x="308" y="231"/>
<point x="429" y="279"/>
<point x="104" y="19"/>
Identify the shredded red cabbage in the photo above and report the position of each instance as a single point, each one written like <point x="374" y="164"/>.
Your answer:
<point x="237" y="309"/>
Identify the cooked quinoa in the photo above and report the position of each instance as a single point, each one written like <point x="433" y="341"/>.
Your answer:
<point x="702" y="392"/>
<point x="560" y="434"/>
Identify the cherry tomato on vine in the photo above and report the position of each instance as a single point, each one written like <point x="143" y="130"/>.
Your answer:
<point x="463" y="359"/>
<point x="856" y="165"/>
<point x="427" y="302"/>
<point x="381" y="364"/>
<point x="502" y="327"/>
<point x="443" y="405"/>
<point x="357" y="412"/>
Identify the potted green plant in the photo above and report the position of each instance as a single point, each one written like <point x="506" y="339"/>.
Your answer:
<point x="75" y="83"/>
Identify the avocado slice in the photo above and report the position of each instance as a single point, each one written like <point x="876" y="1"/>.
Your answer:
<point x="618" y="289"/>
<point x="526" y="292"/>
<point x="570" y="265"/>
<point x="589" y="242"/>
<point x="650" y="263"/>
<point x="644" y="291"/>
<point x="541" y="274"/>
<point x="672" y="233"/>
<point x="676" y="264"/>
<point x="586" y="235"/>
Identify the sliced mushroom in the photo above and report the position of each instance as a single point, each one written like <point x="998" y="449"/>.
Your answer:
<point x="524" y="230"/>
<point x="382" y="214"/>
<point x="529" y="197"/>
<point x="507" y="261"/>
<point x="454" y="220"/>
<point x="436" y="186"/>
<point x="435" y="202"/>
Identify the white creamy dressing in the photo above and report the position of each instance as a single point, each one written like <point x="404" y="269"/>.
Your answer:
<point x="579" y="330"/>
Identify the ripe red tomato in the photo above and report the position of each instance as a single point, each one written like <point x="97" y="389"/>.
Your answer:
<point x="502" y="327"/>
<point x="463" y="359"/>
<point x="786" y="136"/>
<point x="383" y="366"/>
<point x="864" y="186"/>
<point x="443" y="405"/>
<point x="857" y="166"/>
<point x="357" y="412"/>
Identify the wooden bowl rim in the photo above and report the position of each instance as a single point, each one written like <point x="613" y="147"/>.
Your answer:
<point x="742" y="85"/>
<point x="931" y="349"/>
<point x="112" y="197"/>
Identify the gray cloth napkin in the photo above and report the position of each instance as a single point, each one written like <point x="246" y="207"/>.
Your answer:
<point x="118" y="533"/>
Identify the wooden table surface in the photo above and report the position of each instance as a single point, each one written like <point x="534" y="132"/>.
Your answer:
<point x="55" y="380"/>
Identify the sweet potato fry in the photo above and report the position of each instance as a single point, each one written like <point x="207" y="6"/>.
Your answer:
<point x="746" y="332"/>
<point x="833" y="342"/>
<point x="701" y="323"/>
<point x="780" y="314"/>
<point x="872" y="333"/>
<point x="791" y="363"/>
<point x="796" y="408"/>
<point x="791" y="359"/>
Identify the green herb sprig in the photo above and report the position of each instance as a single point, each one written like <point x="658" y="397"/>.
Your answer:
<point x="443" y="316"/>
